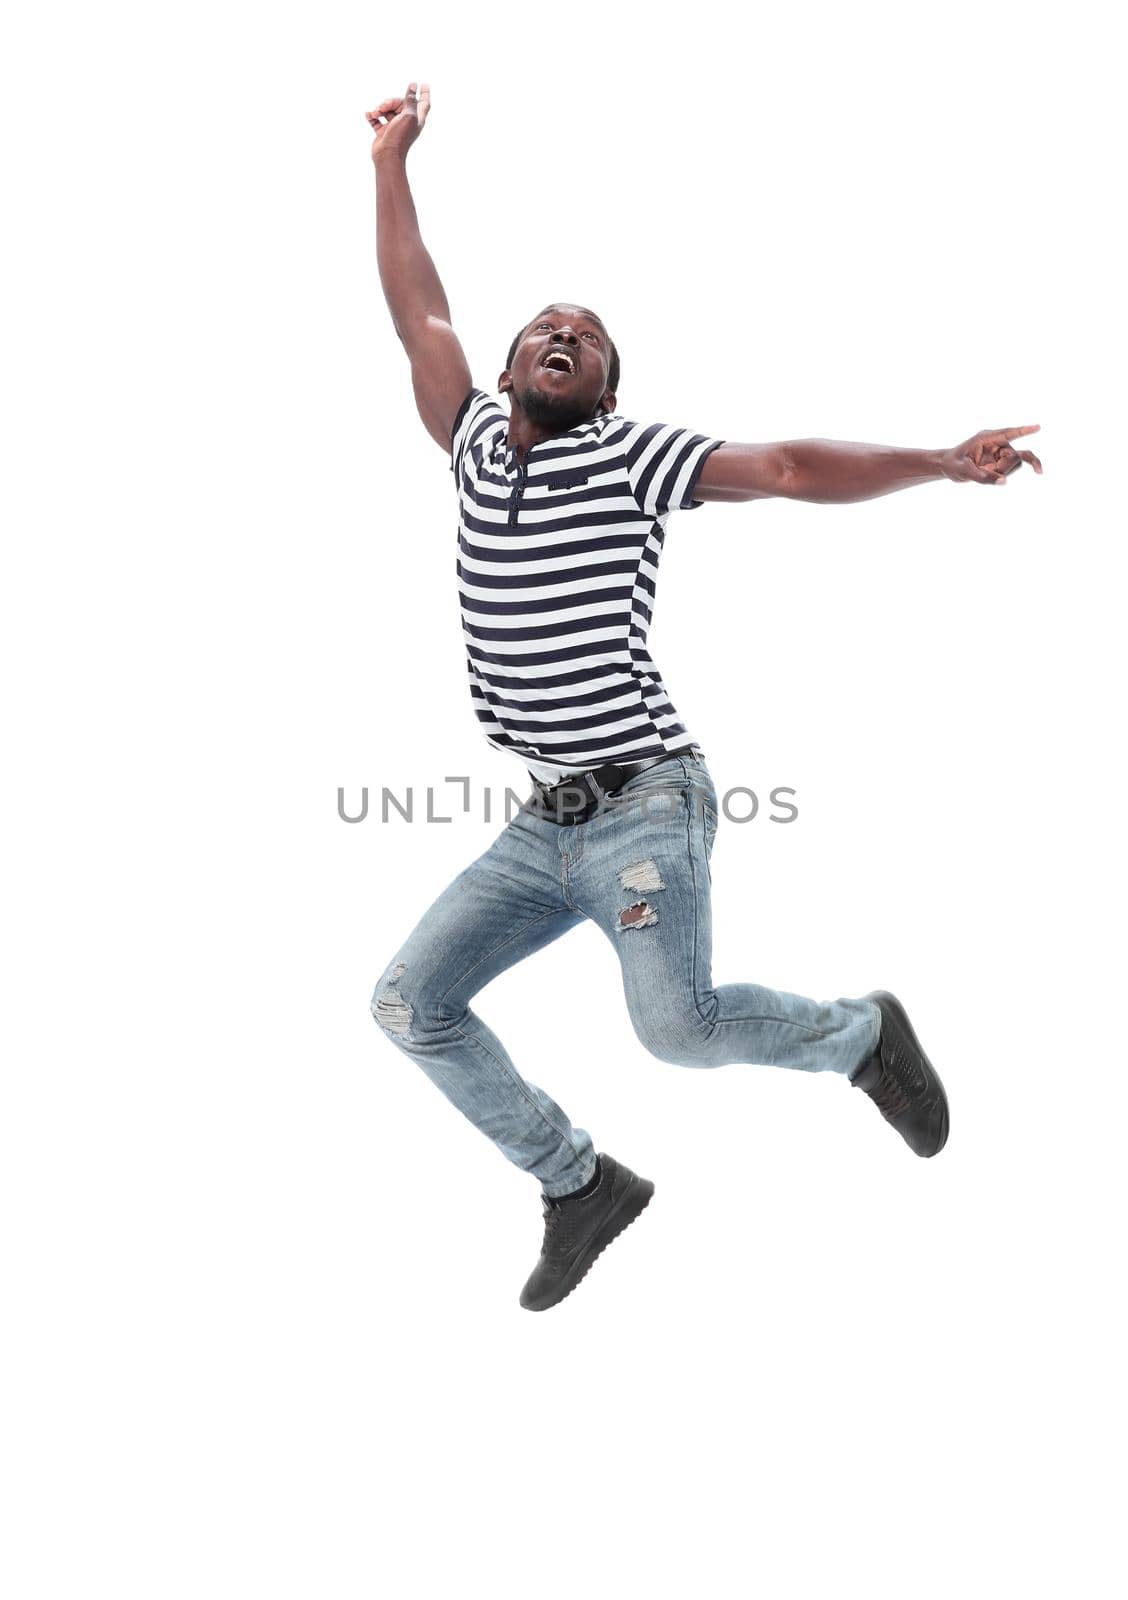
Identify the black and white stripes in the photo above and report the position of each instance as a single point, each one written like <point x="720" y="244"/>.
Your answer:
<point x="557" y="565"/>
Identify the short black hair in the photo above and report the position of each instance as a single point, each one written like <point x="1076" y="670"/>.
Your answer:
<point x="612" y="371"/>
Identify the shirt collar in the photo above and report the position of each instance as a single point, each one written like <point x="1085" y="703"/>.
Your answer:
<point x="503" y="448"/>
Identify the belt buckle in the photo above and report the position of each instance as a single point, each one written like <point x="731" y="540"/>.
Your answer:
<point x="549" y="799"/>
<point x="582" y="782"/>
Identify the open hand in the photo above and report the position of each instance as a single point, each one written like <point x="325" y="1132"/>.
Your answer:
<point x="987" y="457"/>
<point x="398" y="122"/>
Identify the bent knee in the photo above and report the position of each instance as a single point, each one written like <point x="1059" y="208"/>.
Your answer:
<point x="407" y="1004"/>
<point x="680" y="1037"/>
<point x="390" y="1007"/>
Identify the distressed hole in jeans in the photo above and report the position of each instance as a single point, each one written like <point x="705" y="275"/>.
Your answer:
<point x="641" y="875"/>
<point x="640" y="915"/>
<point x="391" y="1010"/>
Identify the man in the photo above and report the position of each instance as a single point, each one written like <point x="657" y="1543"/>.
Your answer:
<point x="562" y="512"/>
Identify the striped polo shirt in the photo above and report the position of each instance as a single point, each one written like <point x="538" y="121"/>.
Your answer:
<point x="557" y="565"/>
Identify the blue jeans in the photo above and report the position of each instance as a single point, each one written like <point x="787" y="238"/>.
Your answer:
<point x="639" y="869"/>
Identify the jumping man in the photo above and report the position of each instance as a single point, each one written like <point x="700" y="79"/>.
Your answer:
<point x="563" y="505"/>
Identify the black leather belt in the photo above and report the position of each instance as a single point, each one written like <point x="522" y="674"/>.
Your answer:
<point x="577" y="798"/>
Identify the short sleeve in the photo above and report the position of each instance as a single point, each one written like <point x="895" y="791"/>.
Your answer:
<point x="664" y="464"/>
<point x="475" y="416"/>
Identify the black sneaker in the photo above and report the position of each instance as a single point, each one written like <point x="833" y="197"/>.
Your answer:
<point x="902" y="1082"/>
<point x="576" y="1230"/>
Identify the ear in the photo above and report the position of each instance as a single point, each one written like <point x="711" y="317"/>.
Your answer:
<point x="505" y="382"/>
<point x="609" y="401"/>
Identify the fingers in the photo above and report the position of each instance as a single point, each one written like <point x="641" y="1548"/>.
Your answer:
<point x="992" y="438"/>
<point x="987" y="457"/>
<point x="384" y="111"/>
<point x="991" y="435"/>
<point x="992" y="464"/>
<point x="417" y="99"/>
<point x="1007" y="460"/>
<point x="999" y="470"/>
<point x="979" y="474"/>
<point x="983" y="457"/>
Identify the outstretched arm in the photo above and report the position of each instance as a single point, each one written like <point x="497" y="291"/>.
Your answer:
<point x="833" y="472"/>
<point x="439" y="371"/>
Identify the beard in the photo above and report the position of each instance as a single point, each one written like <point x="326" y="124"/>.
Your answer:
<point x="559" y="411"/>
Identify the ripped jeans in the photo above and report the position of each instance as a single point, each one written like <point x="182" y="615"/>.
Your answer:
<point x="639" y="869"/>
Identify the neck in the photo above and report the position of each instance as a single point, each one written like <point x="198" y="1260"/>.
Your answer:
<point x="524" y="432"/>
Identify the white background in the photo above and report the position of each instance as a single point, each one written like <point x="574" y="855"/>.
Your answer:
<point x="262" y="1327"/>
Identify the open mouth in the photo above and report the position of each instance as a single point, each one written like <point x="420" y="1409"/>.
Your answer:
<point x="559" y="361"/>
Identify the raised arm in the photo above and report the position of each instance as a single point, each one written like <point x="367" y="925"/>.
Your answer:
<point x="832" y="471"/>
<point x="439" y="371"/>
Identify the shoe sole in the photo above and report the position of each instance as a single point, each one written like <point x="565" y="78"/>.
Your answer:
<point x="894" y="1005"/>
<point x="632" y="1204"/>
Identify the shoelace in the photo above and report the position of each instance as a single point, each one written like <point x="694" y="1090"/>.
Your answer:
<point x="889" y="1097"/>
<point x="561" y="1224"/>
<point x="902" y="1082"/>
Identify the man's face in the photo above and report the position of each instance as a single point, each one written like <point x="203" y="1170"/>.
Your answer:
<point x="559" y="372"/>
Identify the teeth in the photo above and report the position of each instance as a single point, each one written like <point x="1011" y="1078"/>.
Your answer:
<point x="557" y="356"/>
